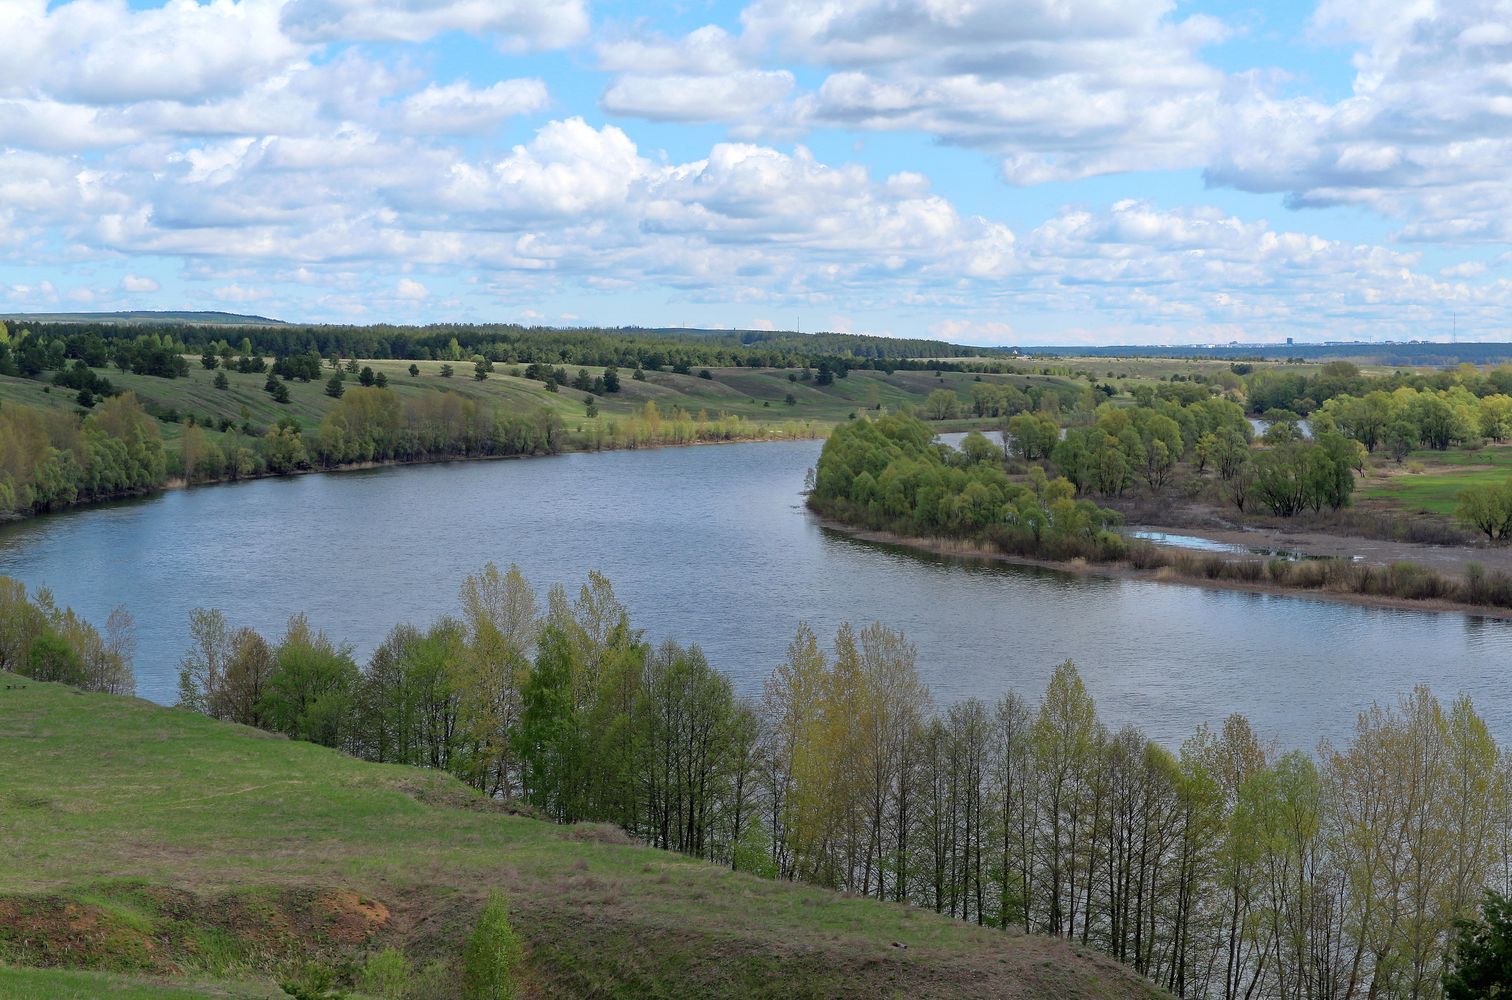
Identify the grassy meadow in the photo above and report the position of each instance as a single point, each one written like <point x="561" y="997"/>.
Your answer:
<point x="157" y="853"/>
<point x="1431" y="481"/>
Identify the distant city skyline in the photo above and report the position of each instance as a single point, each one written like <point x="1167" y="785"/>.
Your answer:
<point x="1029" y="173"/>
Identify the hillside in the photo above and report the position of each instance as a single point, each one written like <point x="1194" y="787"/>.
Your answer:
<point x="758" y="395"/>
<point x="152" y="852"/>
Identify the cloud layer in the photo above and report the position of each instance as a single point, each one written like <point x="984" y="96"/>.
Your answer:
<point x="336" y="159"/>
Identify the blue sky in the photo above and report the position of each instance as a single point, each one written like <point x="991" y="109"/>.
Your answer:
<point x="1034" y="172"/>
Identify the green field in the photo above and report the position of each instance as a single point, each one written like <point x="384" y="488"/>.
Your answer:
<point x="149" y="845"/>
<point x="1445" y="473"/>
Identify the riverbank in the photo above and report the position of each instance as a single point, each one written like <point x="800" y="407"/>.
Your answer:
<point x="574" y="448"/>
<point x="967" y="549"/>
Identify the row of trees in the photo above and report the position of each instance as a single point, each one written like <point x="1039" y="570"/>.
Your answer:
<point x="565" y="707"/>
<point x="1222" y="868"/>
<point x="1406" y="419"/>
<point x="1144" y="444"/>
<point x="626" y="348"/>
<point x="30" y="354"/>
<point x="1288" y="389"/>
<point x="51" y="458"/>
<point x="42" y="641"/>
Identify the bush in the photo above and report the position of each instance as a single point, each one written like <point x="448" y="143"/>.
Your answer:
<point x="491" y="955"/>
<point x="386" y="975"/>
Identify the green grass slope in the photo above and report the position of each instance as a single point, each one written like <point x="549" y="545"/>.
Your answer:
<point x="755" y="394"/>
<point x="152" y="852"/>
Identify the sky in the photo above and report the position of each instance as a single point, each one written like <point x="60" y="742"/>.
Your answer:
<point x="1020" y="173"/>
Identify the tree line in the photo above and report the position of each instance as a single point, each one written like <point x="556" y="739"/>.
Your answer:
<point x="51" y="458"/>
<point x="1221" y="868"/>
<point x="40" y="640"/>
<point x="628" y="348"/>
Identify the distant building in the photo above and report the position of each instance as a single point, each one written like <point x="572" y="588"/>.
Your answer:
<point x="1288" y="342"/>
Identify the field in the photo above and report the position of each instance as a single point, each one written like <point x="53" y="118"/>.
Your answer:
<point x="150" y="846"/>
<point x="1445" y="473"/>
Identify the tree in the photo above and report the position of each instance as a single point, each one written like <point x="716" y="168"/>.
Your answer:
<point x="1480" y="956"/>
<point x="209" y="361"/>
<point x="414" y="370"/>
<point x="203" y="670"/>
<point x="279" y="391"/>
<point x="545" y="741"/>
<point x="501" y="624"/>
<point x="1487" y="508"/>
<point x="611" y="379"/>
<point x="311" y="691"/>
<point x="380" y="381"/>
<point x="334" y="387"/>
<point x="1064" y="738"/>
<point x="248" y="668"/>
<point x="491" y="954"/>
<point x="446" y="371"/>
<point x="51" y="658"/>
<point x="942" y="404"/>
<point x="480" y="370"/>
<point x="366" y="377"/>
<point x="221" y="382"/>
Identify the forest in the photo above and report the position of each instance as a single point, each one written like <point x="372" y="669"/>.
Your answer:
<point x="1225" y="867"/>
<point x="158" y="351"/>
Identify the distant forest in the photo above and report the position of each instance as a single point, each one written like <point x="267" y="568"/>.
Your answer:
<point x="626" y="348"/>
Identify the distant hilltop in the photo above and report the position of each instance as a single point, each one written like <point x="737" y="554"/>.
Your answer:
<point x="210" y="318"/>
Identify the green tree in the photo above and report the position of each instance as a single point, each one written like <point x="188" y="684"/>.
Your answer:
<point x="942" y="404"/>
<point x="51" y="658"/>
<point x="334" y="387"/>
<point x="491" y="955"/>
<point x="546" y="739"/>
<point x="1487" y="508"/>
<point x="221" y="382"/>
<point x="311" y="692"/>
<point x="1480" y="956"/>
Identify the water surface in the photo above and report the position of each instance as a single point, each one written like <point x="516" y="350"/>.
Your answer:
<point x="712" y="545"/>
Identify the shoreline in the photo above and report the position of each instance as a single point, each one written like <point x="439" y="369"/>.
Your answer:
<point x="180" y="483"/>
<point x="962" y="549"/>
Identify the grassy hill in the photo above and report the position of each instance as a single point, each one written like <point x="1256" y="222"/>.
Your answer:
<point x="156" y="853"/>
<point x="755" y="394"/>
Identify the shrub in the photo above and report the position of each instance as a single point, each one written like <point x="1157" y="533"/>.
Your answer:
<point x="491" y="955"/>
<point x="386" y="975"/>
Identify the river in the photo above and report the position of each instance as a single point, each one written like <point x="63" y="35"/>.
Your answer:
<point x="713" y="545"/>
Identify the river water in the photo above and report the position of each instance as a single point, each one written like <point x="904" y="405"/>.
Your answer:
<point x="712" y="545"/>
